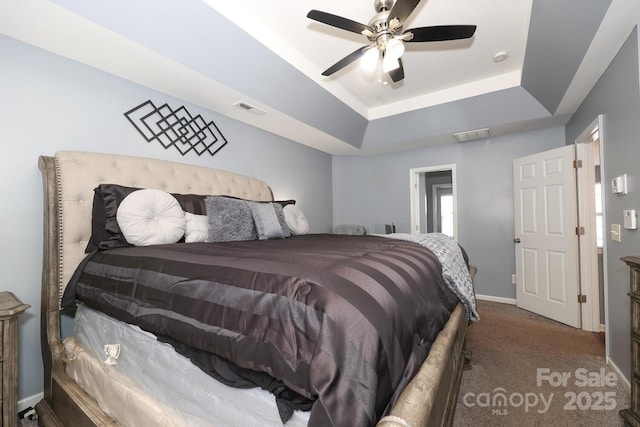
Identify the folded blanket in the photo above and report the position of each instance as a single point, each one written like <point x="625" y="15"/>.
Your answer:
<point x="454" y="268"/>
<point x="353" y="229"/>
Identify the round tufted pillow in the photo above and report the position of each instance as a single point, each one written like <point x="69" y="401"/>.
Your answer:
<point x="150" y="217"/>
<point x="296" y="220"/>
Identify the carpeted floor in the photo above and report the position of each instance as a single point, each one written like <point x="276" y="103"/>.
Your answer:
<point x="531" y="371"/>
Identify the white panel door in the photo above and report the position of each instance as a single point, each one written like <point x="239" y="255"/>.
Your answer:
<point x="546" y="244"/>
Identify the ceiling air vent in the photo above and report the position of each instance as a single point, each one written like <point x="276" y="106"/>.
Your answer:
<point x="472" y="134"/>
<point x="250" y="108"/>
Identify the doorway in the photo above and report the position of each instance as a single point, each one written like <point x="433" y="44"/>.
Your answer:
<point x="591" y="216"/>
<point x="433" y="200"/>
<point x="442" y="211"/>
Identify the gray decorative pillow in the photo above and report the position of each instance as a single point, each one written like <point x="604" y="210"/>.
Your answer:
<point x="229" y="219"/>
<point x="286" y="232"/>
<point x="266" y="221"/>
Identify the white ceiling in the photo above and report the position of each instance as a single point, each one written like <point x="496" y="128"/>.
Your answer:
<point x="448" y="87"/>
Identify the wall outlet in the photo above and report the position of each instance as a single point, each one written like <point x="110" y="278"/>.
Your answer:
<point x="513" y="279"/>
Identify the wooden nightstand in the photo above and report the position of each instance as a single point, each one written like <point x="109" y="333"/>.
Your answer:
<point x="10" y="308"/>
<point x="631" y="416"/>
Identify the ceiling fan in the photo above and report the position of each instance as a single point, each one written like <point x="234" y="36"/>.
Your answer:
<point x="386" y="36"/>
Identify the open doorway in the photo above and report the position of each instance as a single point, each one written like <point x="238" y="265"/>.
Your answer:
<point x="441" y="213"/>
<point x="433" y="200"/>
<point x="591" y="216"/>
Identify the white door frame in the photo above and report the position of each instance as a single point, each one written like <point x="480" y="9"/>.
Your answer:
<point x="414" y="191"/>
<point x="588" y="253"/>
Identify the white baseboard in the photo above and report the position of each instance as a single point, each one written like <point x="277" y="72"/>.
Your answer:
<point x="618" y="372"/>
<point x="502" y="300"/>
<point x="29" y="401"/>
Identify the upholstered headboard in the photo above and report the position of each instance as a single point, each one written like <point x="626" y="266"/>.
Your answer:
<point x="70" y="177"/>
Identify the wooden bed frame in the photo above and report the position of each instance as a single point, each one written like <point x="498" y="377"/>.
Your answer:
<point x="69" y="179"/>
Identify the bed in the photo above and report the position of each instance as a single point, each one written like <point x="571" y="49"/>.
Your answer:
<point x="420" y="395"/>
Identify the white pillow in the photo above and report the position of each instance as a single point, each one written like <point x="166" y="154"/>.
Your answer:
<point x="150" y="217"/>
<point x="296" y="220"/>
<point x="197" y="228"/>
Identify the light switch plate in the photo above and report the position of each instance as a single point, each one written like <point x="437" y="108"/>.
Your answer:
<point x="615" y="232"/>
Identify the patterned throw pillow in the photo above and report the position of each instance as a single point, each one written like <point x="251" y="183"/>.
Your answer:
<point x="266" y="220"/>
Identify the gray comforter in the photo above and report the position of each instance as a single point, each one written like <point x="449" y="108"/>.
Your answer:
<point x="342" y="320"/>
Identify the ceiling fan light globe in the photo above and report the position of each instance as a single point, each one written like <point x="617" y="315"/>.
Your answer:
<point x="369" y="60"/>
<point x="389" y="63"/>
<point x="394" y="49"/>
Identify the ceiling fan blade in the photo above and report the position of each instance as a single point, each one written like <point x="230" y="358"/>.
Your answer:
<point x="353" y="56"/>
<point x="337" y="21"/>
<point x="397" y="74"/>
<point x="441" y="33"/>
<point x="402" y="9"/>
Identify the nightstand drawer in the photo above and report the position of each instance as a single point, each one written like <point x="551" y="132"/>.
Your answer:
<point x="635" y="316"/>
<point x="635" y="356"/>
<point x="635" y="280"/>
<point x="635" y="393"/>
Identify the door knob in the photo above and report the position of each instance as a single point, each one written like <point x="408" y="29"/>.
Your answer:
<point x="516" y="240"/>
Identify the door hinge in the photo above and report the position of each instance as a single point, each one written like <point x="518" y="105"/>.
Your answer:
<point x="579" y="231"/>
<point x="582" y="299"/>
<point x="577" y="164"/>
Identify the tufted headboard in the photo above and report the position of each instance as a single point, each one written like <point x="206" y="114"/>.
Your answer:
<point x="70" y="177"/>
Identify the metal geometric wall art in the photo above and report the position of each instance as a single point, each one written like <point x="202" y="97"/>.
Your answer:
<point x="176" y="128"/>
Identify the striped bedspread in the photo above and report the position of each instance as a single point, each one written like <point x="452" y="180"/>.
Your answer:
<point x="343" y="320"/>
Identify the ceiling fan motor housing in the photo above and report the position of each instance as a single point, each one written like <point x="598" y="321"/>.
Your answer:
<point x="383" y="30"/>
<point x="381" y="5"/>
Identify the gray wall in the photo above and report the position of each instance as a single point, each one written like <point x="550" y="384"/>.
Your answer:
<point x="48" y="103"/>
<point x="374" y="191"/>
<point x="617" y="97"/>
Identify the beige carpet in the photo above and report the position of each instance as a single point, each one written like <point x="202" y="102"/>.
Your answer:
<point x="531" y="371"/>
